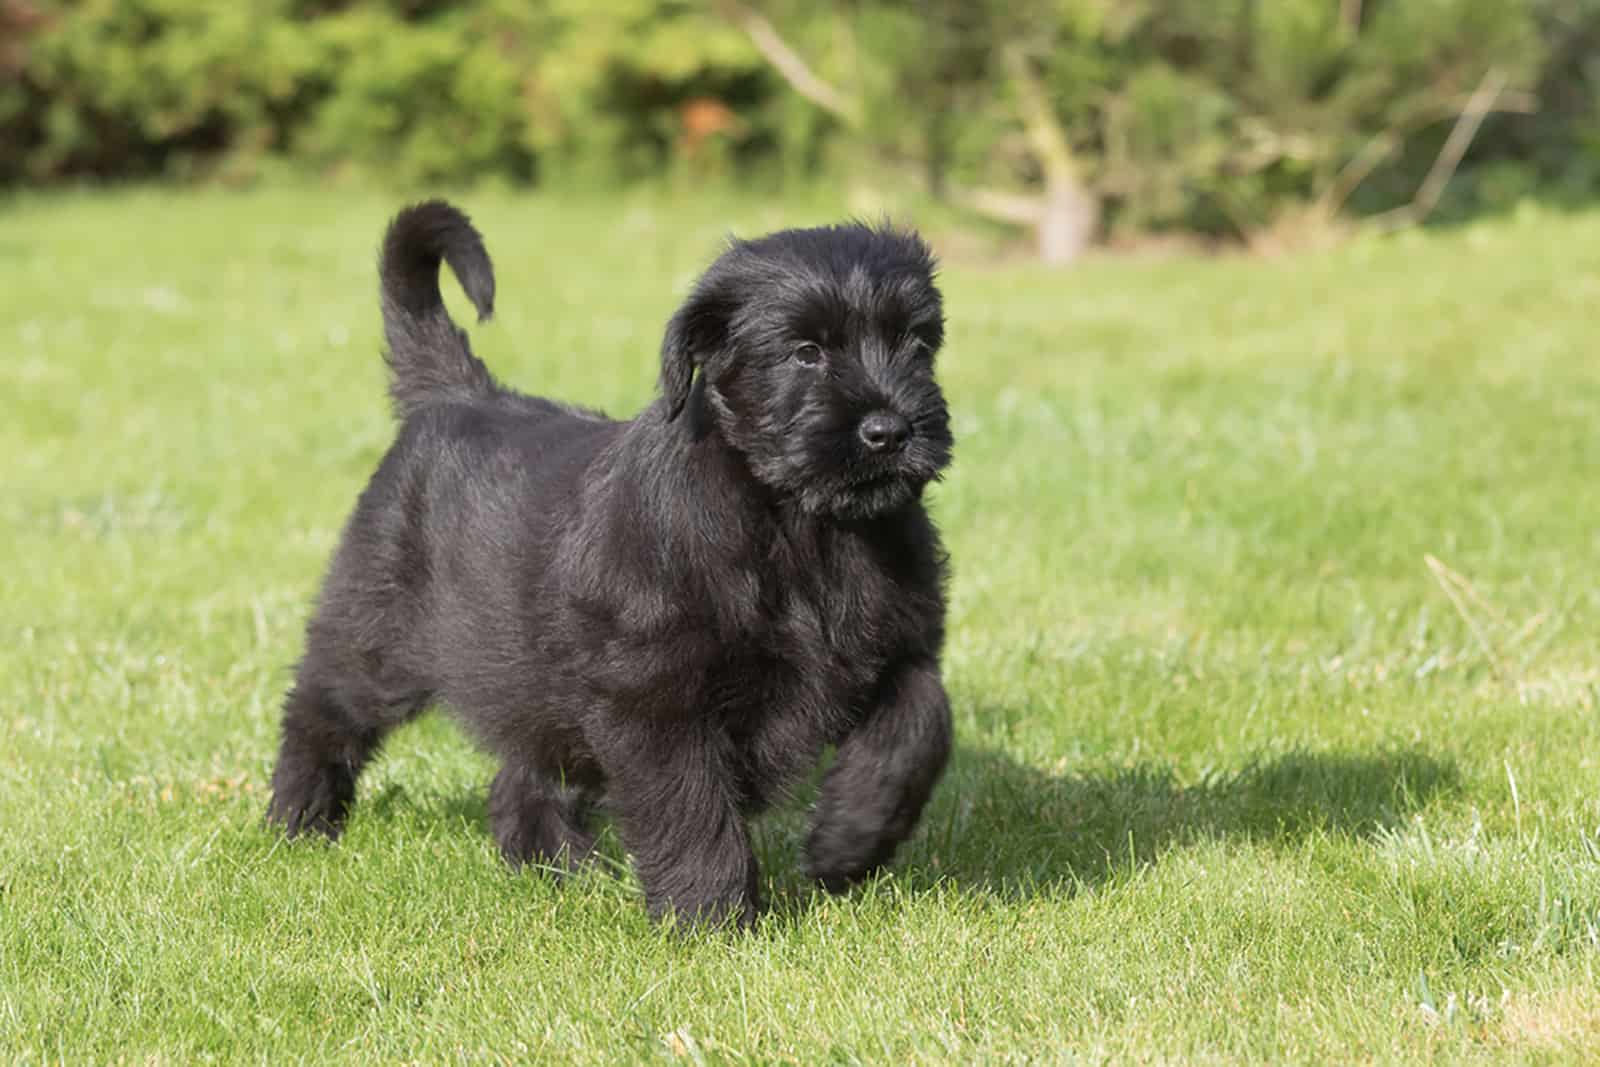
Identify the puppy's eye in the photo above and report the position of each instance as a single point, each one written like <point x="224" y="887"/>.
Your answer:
<point x="807" y="354"/>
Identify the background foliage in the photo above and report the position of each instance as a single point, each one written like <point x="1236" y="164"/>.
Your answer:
<point x="1214" y="115"/>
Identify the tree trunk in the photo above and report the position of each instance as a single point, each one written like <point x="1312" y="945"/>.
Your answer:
<point x="1068" y="210"/>
<point x="1067" y="223"/>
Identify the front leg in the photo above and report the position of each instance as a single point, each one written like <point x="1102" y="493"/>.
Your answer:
<point x="676" y="808"/>
<point x="885" y="770"/>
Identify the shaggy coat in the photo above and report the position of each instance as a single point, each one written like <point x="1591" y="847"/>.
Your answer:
<point x="672" y="616"/>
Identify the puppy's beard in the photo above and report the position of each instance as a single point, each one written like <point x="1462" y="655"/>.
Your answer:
<point x="859" y="494"/>
<point x="867" y="487"/>
<point x="872" y="486"/>
<point x="876" y="496"/>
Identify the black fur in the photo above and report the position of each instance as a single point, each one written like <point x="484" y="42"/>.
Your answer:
<point x="674" y="615"/>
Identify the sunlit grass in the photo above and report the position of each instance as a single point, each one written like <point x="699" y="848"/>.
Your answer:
<point x="1241" y="776"/>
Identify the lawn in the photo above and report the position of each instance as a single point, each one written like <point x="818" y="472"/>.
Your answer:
<point x="1274" y="652"/>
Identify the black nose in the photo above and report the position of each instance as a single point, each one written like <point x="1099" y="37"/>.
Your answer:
<point x="883" y="431"/>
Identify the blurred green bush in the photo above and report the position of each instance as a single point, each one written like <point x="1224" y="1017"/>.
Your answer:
<point x="414" y="90"/>
<point x="1211" y="115"/>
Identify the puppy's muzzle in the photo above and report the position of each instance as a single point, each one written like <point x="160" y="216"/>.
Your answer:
<point x="884" y="432"/>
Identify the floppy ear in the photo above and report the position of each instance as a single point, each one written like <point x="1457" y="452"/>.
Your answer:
<point x="698" y="328"/>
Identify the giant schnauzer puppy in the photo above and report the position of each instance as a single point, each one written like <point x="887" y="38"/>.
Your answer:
<point x="673" y="615"/>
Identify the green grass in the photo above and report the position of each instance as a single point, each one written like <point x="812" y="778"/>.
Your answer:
<point x="1239" y="777"/>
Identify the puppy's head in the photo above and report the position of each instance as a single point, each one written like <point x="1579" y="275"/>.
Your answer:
<point x="815" y="351"/>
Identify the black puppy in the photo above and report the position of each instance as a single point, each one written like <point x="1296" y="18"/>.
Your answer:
<point x="674" y="614"/>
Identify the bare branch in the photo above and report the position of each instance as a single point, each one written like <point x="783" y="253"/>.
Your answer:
<point x="996" y="204"/>
<point x="1444" y="166"/>
<point x="1382" y="146"/>
<point x="1356" y="171"/>
<point x="789" y="64"/>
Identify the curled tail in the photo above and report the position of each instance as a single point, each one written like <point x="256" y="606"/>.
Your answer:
<point x="429" y="358"/>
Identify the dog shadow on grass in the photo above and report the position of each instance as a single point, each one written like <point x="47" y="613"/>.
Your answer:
<point x="1015" y="830"/>
<point x="1012" y="830"/>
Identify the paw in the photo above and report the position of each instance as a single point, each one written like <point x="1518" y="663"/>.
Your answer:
<point x="315" y="815"/>
<point x="537" y="823"/>
<point x="314" y="803"/>
<point x="838" y="861"/>
<point x="715" y="897"/>
<point x="838" y="879"/>
<point x="711" y="914"/>
<point x="563" y="851"/>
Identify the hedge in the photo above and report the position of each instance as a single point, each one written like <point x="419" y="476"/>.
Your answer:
<point x="1206" y="114"/>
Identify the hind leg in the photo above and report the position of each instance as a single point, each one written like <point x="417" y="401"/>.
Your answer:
<point x="325" y="744"/>
<point x="537" y="820"/>
<point x="333" y="723"/>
